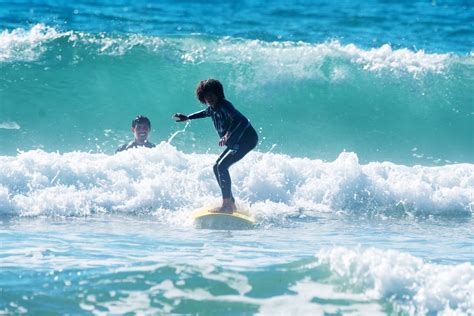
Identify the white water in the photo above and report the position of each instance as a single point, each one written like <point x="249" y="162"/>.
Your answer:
<point x="273" y="186"/>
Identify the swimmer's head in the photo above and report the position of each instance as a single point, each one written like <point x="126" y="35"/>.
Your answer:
<point x="140" y="119"/>
<point x="141" y="128"/>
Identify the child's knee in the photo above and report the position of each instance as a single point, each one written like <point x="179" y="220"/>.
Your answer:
<point x="220" y="168"/>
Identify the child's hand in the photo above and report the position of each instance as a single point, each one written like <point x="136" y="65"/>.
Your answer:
<point x="224" y="139"/>
<point x="180" y="117"/>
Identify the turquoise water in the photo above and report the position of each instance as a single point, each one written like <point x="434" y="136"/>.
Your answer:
<point x="383" y="103"/>
<point x="362" y="184"/>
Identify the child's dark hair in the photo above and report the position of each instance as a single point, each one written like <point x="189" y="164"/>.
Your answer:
<point x="205" y="87"/>
<point x="140" y="119"/>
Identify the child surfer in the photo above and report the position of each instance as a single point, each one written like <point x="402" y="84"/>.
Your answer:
<point x="235" y="132"/>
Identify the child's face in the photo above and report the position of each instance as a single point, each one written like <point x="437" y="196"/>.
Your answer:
<point x="141" y="132"/>
<point x="211" y="99"/>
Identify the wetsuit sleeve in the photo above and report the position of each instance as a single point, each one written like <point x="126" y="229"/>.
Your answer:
<point x="199" y="114"/>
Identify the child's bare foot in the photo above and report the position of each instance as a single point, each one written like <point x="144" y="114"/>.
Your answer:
<point x="228" y="206"/>
<point x="222" y="209"/>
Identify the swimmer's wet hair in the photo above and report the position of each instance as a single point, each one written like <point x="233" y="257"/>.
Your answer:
<point x="140" y="119"/>
<point x="209" y="86"/>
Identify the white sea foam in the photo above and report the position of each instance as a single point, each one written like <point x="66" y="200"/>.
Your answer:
<point x="414" y="286"/>
<point x="276" y="187"/>
<point x="9" y="125"/>
<point x="26" y="45"/>
<point x="306" y="60"/>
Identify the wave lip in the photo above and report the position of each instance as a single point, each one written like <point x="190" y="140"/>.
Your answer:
<point x="297" y="57"/>
<point x="26" y="45"/>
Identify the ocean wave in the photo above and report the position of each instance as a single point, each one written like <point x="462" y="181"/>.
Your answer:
<point x="413" y="286"/>
<point x="274" y="187"/>
<point x="383" y="103"/>
<point x="365" y="281"/>
<point x="299" y="59"/>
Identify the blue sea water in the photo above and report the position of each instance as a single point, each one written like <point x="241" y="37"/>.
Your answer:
<point x="362" y="185"/>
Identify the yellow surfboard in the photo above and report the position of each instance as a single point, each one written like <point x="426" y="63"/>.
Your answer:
<point x="205" y="219"/>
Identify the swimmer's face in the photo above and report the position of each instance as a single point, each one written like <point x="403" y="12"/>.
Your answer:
<point x="140" y="132"/>
<point x="211" y="99"/>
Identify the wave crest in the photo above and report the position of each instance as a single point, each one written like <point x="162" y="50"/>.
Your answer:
<point x="299" y="59"/>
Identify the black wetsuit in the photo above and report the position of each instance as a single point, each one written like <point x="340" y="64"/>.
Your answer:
<point x="242" y="139"/>
<point x="132" y="144"/>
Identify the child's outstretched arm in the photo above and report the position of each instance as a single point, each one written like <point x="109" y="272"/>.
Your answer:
<point x="181" y="117"/>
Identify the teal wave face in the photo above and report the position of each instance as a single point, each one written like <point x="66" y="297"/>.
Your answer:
<point x="75" y="91"/>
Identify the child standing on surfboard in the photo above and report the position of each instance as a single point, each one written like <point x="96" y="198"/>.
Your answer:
<point x="235" y="132"/>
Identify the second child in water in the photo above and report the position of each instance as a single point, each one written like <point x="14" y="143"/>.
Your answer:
<point x="235" y="132"/>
